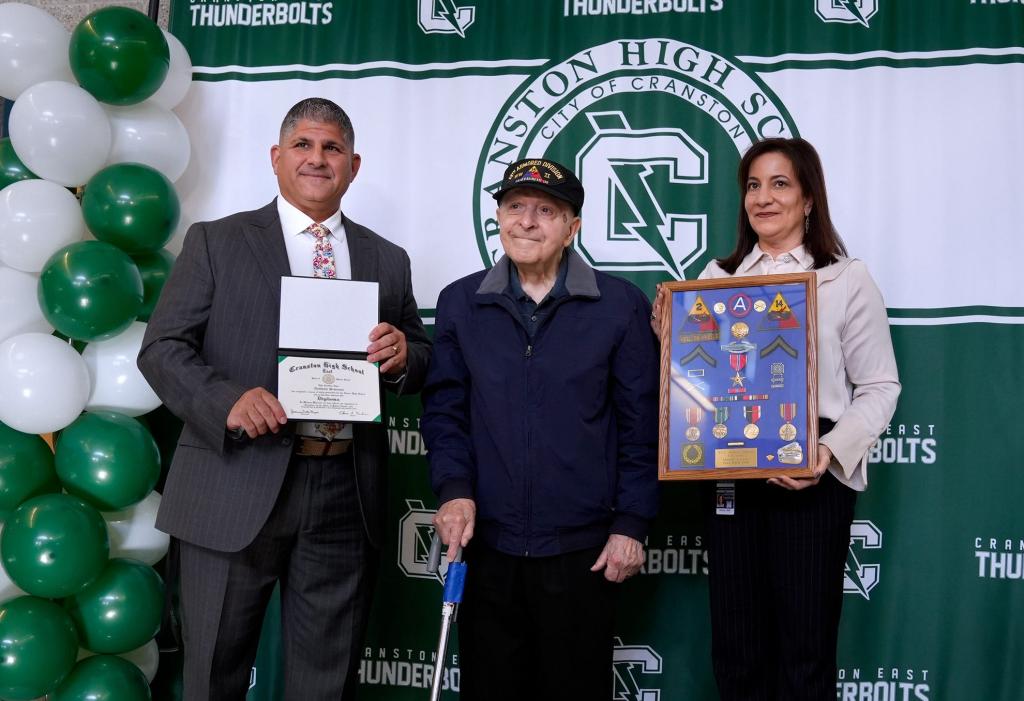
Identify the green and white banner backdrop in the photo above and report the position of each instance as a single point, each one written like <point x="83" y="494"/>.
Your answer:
<point x="916" y="107"/>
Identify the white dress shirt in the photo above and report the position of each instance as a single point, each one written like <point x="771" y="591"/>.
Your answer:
<point x="858" y="383"/>
<point x="299" y="242"/>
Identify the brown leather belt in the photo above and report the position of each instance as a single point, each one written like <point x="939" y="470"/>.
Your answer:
<point x="309" y="446"/>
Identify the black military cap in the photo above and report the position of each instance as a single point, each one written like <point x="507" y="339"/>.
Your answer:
<point x="546" y="176"/>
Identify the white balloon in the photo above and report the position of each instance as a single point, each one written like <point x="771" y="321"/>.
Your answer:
<point x="44" y="383"/>
<point x="8" y="589"/>
<point x="133" y="532"/>
<point x="149" y="134"/>
<point x="117" y="384"/>
<point x="60" y="132"/>
<point x="19" y="304"/>
<point x="36" y="218"/>
<point x="33" y="49"/>
<point x="179" y="75"/>
<point x="146" y="658"/>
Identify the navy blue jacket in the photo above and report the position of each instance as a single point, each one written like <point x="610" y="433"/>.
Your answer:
<point x="555" y="440"/>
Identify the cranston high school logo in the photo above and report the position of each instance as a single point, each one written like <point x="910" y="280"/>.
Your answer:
<point x="860" y="578"/>
<point x="631" y="667"/>
<point x="415" y="529"/>
<point x="654" y="128"/>
<point x="444" y="17"/>
<point x="846" y="11"/>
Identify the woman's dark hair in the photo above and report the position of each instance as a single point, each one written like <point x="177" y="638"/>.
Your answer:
<point x="821" y="240"/>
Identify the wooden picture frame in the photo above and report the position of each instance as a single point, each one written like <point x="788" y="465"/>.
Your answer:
<point x="739" y="378"/>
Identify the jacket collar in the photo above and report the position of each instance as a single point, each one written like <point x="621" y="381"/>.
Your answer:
<point x="580" y="279"/>
<point x="361" y="251"/>
<point x="263" y="234"/>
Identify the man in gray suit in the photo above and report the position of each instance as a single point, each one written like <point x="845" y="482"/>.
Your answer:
<point x="252" y="499"/>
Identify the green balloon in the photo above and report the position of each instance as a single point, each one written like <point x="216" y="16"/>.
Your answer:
<point x="154" y="268"/>
<point x="119" y="55"/>
<point x="120" y="610"/>
<point x="103" y="678"/>
<point x="11" y="168"/>
<point x="26" y="469"/>
<point x="90" y="290"/>
<point x="38" y="647"/>
<point x="53" y="545"/>
<point x="107" y="459"/>
<point x="131" y="206"/>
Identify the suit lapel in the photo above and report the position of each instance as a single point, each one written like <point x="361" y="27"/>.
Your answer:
<point x="362" y="253"/>
<point x="263" y="234"/>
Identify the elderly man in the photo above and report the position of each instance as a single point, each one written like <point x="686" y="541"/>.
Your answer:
<point x="540" y="416"/>
<point x="252" y="499"/>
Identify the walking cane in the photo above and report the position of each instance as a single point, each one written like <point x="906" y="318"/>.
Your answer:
<point x="454" y="581"/>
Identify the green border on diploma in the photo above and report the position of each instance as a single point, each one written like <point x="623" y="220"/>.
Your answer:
<point x="281" y="359"/>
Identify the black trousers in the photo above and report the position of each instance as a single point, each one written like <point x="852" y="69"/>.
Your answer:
<point x="776" y="583"/>
<point x="535" y="628"/>
<point x="315" y="545"/>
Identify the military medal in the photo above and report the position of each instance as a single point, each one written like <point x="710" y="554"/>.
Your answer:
<point x="693" y="417"/>
<point x="753" y="415"/>
<point x="719" y="307"/>
<point x="737" y="361"/>
<point x="760" y="305"/>
<point x="778" y="378"/>
<point x="719" y="430"/>
<point x="740" y="329"/>
<point x="788" y="411"/>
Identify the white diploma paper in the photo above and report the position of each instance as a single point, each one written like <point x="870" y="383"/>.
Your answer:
<point x="327" y="315"/>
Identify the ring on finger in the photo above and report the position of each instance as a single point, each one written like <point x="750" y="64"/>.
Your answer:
<point x="394" y="348"/>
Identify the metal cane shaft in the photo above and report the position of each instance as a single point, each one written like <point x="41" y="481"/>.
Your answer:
<point x="447" y="609"/>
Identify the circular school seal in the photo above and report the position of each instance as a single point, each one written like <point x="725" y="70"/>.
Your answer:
<point x="655" y="129"/>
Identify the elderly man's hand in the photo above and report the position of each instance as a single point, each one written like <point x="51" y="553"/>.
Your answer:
<point x="454" y="523"/>
<point x="621" y="558"/>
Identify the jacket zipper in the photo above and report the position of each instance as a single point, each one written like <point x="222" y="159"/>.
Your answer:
<point x="529" y="451"/>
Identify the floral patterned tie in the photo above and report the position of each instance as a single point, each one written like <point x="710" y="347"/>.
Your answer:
<point x="323" y="266"/>
<point x="323" y="252"/>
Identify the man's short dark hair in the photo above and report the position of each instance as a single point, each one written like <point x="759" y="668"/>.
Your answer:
<point x="318" y="109"/>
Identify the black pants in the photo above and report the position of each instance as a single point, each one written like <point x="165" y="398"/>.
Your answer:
<point x="315" y="545"/>
<point x="535" y="628"/>
<point x="776" y="582"/>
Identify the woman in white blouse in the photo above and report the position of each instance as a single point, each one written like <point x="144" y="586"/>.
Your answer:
<point x="776" y="564"/>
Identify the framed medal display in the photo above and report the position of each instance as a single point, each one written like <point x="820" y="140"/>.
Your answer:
<point x="739" y="378"/>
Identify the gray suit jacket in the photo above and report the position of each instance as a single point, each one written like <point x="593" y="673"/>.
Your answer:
<point x="213" y="335"/>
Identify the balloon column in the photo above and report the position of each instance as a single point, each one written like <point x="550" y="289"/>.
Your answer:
<point x="79" y="600"/>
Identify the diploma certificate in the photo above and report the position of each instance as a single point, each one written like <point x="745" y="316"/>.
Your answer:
<point x="322" y="371"/>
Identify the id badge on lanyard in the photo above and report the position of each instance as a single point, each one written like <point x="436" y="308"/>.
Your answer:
<point x="725" y="498"/>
